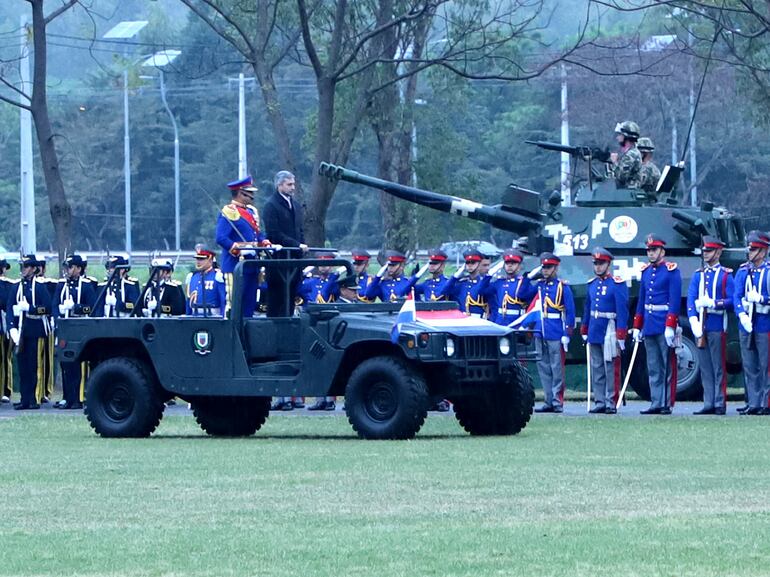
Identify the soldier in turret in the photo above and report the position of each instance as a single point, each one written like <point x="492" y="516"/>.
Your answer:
<point x="627" y="164"/>
<point x="604" y="330"/>
<point x="751" y="301"/>
<point x="557" y="310"/>
<point x="709" y="299"/>
<point x="360" y="259"/>
<point x="650" y="173"/>
<point x="468" y="286"/>
<point x="656" y="322"/>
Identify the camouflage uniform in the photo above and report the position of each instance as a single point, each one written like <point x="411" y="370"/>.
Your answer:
<point x="649" y="176"/>
<point x="628" y="169"/>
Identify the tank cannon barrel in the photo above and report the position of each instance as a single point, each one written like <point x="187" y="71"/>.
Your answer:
<point x="601" y="154"/>
<point x="499" y="216"/>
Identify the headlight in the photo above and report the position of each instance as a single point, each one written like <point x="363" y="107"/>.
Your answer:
<point x="505" y="346"/>
<point x="450" y="347"/>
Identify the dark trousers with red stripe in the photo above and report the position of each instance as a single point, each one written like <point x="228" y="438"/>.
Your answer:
<point x="605" y="377"/>
<point x="713" y="374"/>
<point x="661" y="370"/>
<point x="550" y="367"/>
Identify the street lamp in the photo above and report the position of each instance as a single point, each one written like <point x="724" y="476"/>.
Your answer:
<point x="159" y="60"/>
<point x="124" y="31"/>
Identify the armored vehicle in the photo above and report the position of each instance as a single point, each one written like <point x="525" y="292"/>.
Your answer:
<point x="389" y="364"/>
<point x="602" y="215"/>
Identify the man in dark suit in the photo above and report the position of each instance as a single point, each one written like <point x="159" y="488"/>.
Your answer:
<point x="282" y="216"/>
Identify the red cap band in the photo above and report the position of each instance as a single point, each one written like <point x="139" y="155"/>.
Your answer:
<point x="549" y="261"/>
<point x="437" y="257"/>
<point x="511" y="258"/>
<point x="473" y="258"/>
<point x="397" y="259"/>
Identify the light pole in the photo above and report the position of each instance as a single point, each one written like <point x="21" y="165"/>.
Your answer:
<point x="123" y="31"/>
<point x="158" y="60"/>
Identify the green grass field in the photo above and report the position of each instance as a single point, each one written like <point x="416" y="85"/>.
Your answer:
<point x="569" y="496"/>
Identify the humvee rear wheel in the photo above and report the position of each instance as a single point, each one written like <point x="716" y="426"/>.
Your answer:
<point x="503" y="409"/>
<point x="122" y="400"/>
<point x="231" y="416"/>
<point x="386" y="399"/>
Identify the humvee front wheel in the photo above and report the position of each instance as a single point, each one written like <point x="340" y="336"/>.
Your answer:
<point x="503" y="409"/>
<point x="386" y="399"/>
<point x="122" y="400"/>
<point x="231" y="416"/>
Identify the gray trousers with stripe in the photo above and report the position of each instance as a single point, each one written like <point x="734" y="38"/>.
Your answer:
<point x="712" y="371"/>
<point x="755" y="358"/>
<point x="550" y="368"/>
<point x="659" y="371"/>
<point x="602" y="377"/>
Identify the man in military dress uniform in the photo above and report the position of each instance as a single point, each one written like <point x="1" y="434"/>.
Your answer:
<point x="122" y="293"/>
<point x="627" y="164"/>
<point x="6" y="346"/>
<point x="390" y="284"/>
<point x="604" y="330"/>
<point x="165" y="296"/>
<point x="75" y="296"/>
<point x="557" y="315"/>
<point x="432" y="289"/>
<point x="513" y="292"/>
<point x="27" y="312"/>
<point x="751" y="302"/>
<point x="47" y="375"/>
<point x="709" y="299"/>
<point x="206" y="293"/>
<point x="656" y="322"/>
<point x="468" y="285"/>
<point x="238" y="231"/>
<point x="649" y="174"/>
<point x="360" y="260"/>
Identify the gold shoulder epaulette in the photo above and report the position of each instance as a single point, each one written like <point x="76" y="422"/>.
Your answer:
<point x="230" y="212"/>
<point x="671" y="265"/>
<point x="645" y="266"/>
<point x="618" y="279"/>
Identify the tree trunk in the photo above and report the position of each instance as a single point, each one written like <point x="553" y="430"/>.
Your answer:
<point x="61" y="213"/>
<point x="321" y="189"/>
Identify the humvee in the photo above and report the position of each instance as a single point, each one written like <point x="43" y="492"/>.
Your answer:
<point x="229" y="368"/>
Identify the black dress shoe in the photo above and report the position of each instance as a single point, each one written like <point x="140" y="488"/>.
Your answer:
<point x="754" y="411"/>
<point x="665" y="411"/>
<point x="720" y="411"/>
<point x="544" y="409"/>
<point x="298" y="404"/>
<point x="23" y="407"/>
<point x="742" y="410"/>
<point x="597" y="410"/>
<point x="319" y="405"/>
<point x="610" y="411"/>
<point x="765" y="411"/>
<point x="650" y="411"/>
<point x="558" y="409"/>
<point x="706" y="411"/>
<point x="74" y="406"/>
<point x="329" y="405"/>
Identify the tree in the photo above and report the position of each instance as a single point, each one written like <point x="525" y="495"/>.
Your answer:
<point x="36" y="103"/>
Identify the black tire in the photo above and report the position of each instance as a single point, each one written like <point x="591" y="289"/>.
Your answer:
<point x="688" y="383"/>
<point x="505" y="409"/>
<point x="122" y="399"/>
<point x="386" y="398"/>
<point x="231" y="416"/>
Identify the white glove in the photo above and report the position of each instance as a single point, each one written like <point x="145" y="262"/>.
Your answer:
<point x="152" y="304"/>
<point x="15" y="336"/>
<point x="565" y="342"/>
<point x="110" y="300"/>
<point x="280" y="247"/>
<point x="585" y="338"/>
<point x="62" y="309"/>
<point x="459" y="272"/>
<point x="697" y="328"/>
<point x="23" y="306"/>
<point x="16" y="310"/>
<point x="745" y="322"/>
<point x="423" y="270"/>
<point x="340" y="270"/>
<point x="534" y="272"/>
<point x="68" y="304"/>
<point x="669" y="333"/>
<point x="708" y="302"/>
<point x="381" y="272"/>
<point x="636" y="335"/>
<point x="754" y="296"/>
<point x="622" y="345"/>
<point x="248" y="252"/>
<point x="699" y="304"/>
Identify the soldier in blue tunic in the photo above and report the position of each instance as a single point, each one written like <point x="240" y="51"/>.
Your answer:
<point x="27" y="313"/>
<point x="432" y="289"/>
<point x="74" y="297"/>
<point x="122" y="293"/>
<point x="557" y="312"/>
<point x="238" y="232"/>
<point x="709" y="299"/>
<point x="656" y="322"/>
<point x="511" y="293"/>
<point x="390" y="284"/>
<point x="206" y="294"/>
<point x="751" y="301"/>
<point x="468" y="285"/>
<point x="604" y="330"/>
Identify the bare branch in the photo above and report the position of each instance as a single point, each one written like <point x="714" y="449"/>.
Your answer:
<point x="247" y="51"/>
<point x="16" y="103"/>
<point x="60" y="10"/>
<point x="308" y="39"/>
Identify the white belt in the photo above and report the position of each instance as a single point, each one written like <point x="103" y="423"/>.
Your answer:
<point x="715" y="311"/>
<point x="762" y="309"/>
<point x="553" y="315"/>
<point x="200" y="311"/>
<point x="509" y="312"/>
<point x="38" y="317"/>
<point x="653" y="308"/>
<point x="601" y="315"/>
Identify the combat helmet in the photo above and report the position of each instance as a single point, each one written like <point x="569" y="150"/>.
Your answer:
<point x="645" y="144"/>
<point x="628" y="128"/>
